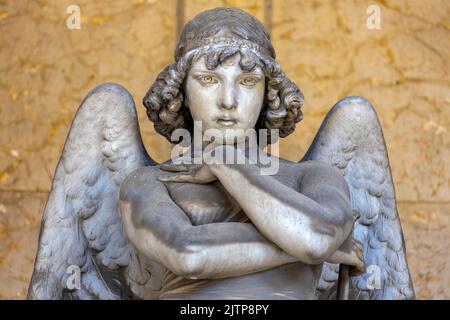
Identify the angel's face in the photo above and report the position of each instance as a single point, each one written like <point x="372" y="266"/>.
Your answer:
<point x="227" y="98"/>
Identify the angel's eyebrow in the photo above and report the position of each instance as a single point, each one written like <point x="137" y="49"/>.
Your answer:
<point x="255" y="73"/>
<point x="200" y="72"/>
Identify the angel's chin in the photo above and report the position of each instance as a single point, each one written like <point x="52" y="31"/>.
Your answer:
<point x="232" y="136"/>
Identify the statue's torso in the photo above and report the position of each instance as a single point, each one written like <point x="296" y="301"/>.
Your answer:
<point x="211" y="203"/>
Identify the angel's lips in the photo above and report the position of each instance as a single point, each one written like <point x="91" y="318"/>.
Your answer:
<point x="227" y="122"/>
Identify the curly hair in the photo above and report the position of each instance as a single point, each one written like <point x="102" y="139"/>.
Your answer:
<point x="165" y="102"/>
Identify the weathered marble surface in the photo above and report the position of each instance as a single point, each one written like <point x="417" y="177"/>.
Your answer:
<point x="323" y="45"/>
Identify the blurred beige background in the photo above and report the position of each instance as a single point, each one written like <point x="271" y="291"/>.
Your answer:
<point x="323" y="45"/>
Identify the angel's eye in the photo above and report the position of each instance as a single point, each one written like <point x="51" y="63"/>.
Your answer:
<point x="207" y="80"/>
<point x="249" y="81"/>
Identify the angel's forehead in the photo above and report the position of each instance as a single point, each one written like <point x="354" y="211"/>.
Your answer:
<point x="230" y="64"/>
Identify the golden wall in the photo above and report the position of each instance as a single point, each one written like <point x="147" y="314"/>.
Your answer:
<point x="325" y="46"/>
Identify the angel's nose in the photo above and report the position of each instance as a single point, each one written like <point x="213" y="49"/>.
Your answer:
<point x="228" y="97"/>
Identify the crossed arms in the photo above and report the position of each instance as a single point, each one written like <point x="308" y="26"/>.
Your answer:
<point x="308" y="225"/>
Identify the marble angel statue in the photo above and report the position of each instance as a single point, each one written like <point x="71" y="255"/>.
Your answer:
<point x="135" y="229"/>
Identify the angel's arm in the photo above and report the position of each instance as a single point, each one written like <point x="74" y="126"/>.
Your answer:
<point x="161" y="230"/>
<point x="310" y="223"/>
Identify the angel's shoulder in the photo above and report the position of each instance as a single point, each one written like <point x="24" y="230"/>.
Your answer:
<point x="142" y="181"/>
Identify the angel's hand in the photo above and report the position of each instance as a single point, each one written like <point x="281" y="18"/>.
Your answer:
<point x="351" y="254"/>
<point x="190" y="173"/>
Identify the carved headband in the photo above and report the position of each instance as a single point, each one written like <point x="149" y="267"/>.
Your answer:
<point x="225" y="41"/>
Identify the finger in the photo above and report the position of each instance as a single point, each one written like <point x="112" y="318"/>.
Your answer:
<point x="358" y="265"/>
<point x="360" y="254"/>
<point x="357" y="269"/>
<point x="359" y="249"/>
<point x="177" y="178"/>
<point x="174" y="167"/>
<point x="356" y="216"/>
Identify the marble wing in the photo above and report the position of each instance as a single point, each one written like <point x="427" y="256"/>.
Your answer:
<point x="81" y="231"/>
<point x="351" y="139"/>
